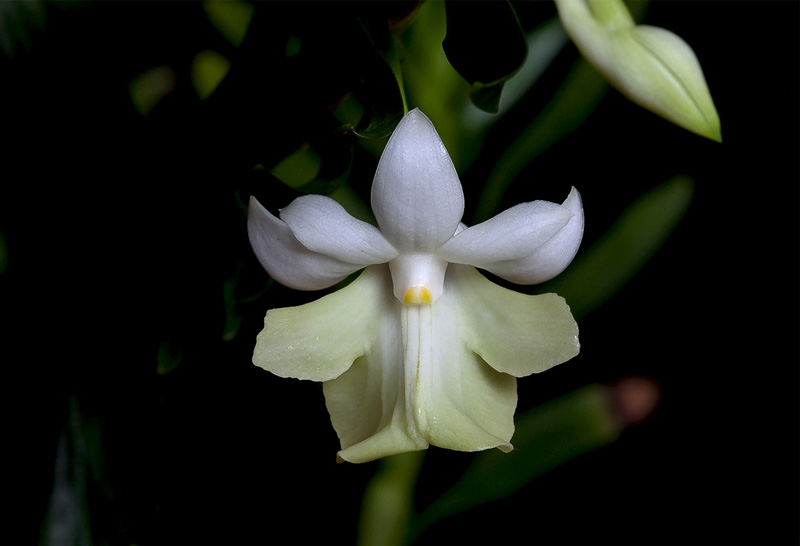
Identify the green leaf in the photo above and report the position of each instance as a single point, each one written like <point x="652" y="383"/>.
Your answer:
<point x="320" y="167"/>
<point x="636" y="235"/>
<point x="547" y="40"/>
<point x="378" y="92"/>
<point x="568" y="109"/>
<point x="208" y="70"/>
<point x="170" y="356"/>
<point x="573" y="102"/>
<point x="149" y="87"/>
<point x="18" y="23"/>
<point x="486" y="45"/>
<point x="545" y="438"/>
<point x="230" y="17"/>
<point x="487" y="96"/>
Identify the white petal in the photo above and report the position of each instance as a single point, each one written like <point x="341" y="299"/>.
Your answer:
<point x="320" y="340"/>
<point x="416" y="195"/>
<point x="288" y="261"/>
<point x="515" y="233"/>
<point x="527" y="244"/>
<point x="418" y="278"/>
<point x="367" y="404"/>
<point x="514" y="333"/>
<point x="323" y="225"/>
<point x="418" y="385"/>
<point x="467" y="405"/>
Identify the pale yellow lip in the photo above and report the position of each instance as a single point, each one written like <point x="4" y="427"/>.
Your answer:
<point x="417" y="295"/>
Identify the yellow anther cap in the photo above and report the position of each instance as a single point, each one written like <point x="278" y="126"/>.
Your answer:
<point x="417" y="295"/>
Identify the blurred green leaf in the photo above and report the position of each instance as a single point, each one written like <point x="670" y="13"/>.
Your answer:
<point x="576" y="98"/>
<point x="318" y="167"/>
<point x="486" y="45"/>
<point x="545" y="438"/>
<point x="388" y="500"/>
<point x="432" y="84"/>
<point x="78" y="465"/>
<point x="298" y="168"/>
<point x="545" y="42"/>
<point x="598" y="273"/>
<point x="578" y="95"/>
<point x="19" y="20"/>
<point x="378" y="91"/>
<point x="230" y="17"/>
<point x="352" y="202"/>
<point x="169" y="357"/>
<point x="149" y="87"/>
<point x="208" y="70"/>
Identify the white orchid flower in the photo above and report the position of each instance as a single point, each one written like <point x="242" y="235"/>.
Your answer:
<point x="421" y="348"/>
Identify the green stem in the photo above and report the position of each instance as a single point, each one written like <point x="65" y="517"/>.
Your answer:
<point x="389" y="500"/>
<point x="572" y="103"/>
<point x="611" y="14"/>
<point x="394" y="63"/>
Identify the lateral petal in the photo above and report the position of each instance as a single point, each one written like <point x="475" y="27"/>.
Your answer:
<point x="286" y="259"/>
<point x="320" y="340"/>
<point x="323" y="225"/>
<point x="527" y="244"/>
<point x="515" y="233"/>
<point x="514" y="333"/>
<point x="416" y="194"/>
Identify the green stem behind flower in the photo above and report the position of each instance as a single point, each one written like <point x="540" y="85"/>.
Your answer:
<point x="612" y="14"/>
<point x="573" y="102"/>
<point x="389" y="500"/>
<point x="600" y="271"/>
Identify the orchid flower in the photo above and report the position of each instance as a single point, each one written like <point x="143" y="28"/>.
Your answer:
<point x="421" y="349"/>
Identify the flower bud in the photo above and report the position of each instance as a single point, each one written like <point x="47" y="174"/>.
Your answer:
<point x="651" y="66"/>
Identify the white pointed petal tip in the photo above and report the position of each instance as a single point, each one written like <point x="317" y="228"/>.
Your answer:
<point x="526" y="244"/>
<point x="286" y="259"/>
<point x="555" y="255"/>
<point x="416" y="194"/>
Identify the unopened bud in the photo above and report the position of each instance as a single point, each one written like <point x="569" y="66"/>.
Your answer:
<point x="651" y="66"/>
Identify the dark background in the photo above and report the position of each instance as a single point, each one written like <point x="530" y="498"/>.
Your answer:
<point x="121" y="232"/>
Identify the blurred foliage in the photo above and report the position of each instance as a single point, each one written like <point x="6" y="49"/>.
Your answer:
<point x="230" y="17"/>
<point x="545" y="438"/>
<point x="19" y="21"/>
<point x="600" y="271"/>
<point x="486" y="45"/>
